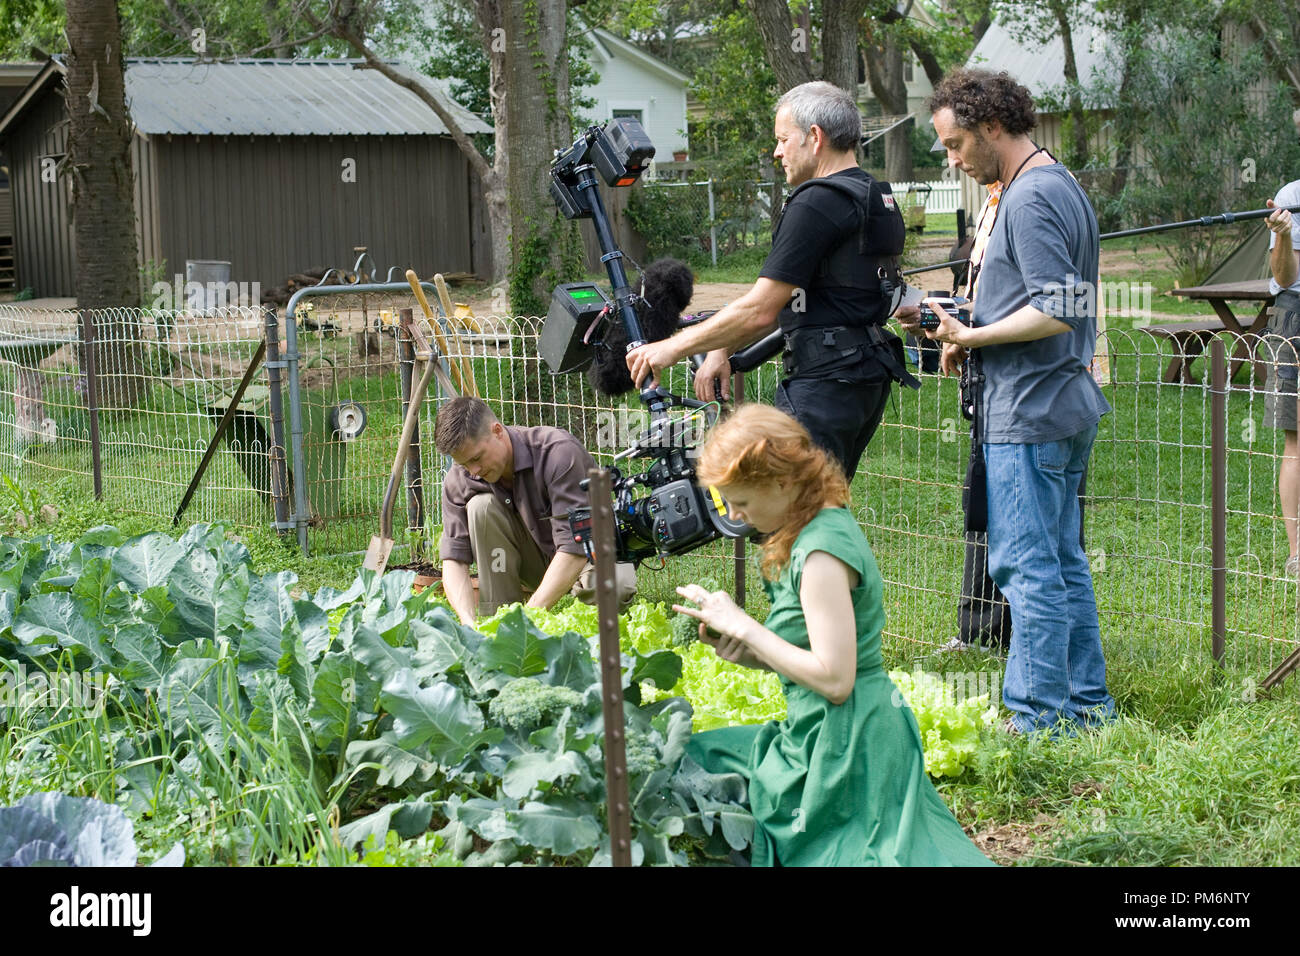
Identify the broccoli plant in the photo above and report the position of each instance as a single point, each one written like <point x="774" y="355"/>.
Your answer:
<point x="686" y="629"/>
<point x="526" y="703"/>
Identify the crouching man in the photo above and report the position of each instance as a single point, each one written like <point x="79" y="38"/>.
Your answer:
<point x="504" y="508"/>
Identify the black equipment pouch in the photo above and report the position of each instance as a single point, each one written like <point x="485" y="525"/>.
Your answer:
<point x="976" y="491"/>
<point x="821" y="351"/>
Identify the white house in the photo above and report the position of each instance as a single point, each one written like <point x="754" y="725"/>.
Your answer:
<point x="634" y="83"/>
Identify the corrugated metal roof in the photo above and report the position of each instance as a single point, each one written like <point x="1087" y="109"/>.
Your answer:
<point x="282" y="98"/>
<point x="1041" y="67"/>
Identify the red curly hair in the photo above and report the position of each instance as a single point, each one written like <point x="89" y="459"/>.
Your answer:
<point x="760" y="445"/>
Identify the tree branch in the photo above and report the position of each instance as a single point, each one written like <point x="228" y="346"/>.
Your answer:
<point x="1279" y="62"/>
<point x="343" y="29"/>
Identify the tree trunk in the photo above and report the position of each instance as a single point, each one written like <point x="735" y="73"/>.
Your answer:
<point x="530" y="91"/>
<point x="103" y="207"/>
<point x="490" y="16"/>
<point x="279" y="36"/>
<point x="1126" y="132"/>
<point x="840" y="43"/>
<point x="1079" y="149"/>
<point x="781" y="43"/>
<point x="885" y="73"/>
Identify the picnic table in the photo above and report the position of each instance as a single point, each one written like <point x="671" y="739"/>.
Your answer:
<point x="1190" y="338"/>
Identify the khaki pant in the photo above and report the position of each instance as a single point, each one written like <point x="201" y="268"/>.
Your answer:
<point x="511" y="565"/>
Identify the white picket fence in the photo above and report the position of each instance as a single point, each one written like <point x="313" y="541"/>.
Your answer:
<point x="942" y="197"/>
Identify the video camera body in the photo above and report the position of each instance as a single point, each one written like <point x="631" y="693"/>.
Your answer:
<point x="676" y="515"/>
<point x="970" y="374"/>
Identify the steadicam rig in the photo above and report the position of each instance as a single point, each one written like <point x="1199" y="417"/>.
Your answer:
<point x="673" y="515"/>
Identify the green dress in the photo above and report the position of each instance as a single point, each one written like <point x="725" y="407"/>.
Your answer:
<point x="838" y="785"/>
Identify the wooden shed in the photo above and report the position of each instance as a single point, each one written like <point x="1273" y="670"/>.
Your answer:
<point x="272" y="165"/>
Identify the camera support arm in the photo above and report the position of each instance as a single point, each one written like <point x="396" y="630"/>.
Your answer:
<point x="624" y="298"/>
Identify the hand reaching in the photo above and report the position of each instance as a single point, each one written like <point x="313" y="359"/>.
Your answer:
<point x="717" y="611"/>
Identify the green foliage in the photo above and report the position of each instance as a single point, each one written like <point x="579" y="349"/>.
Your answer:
<point x="1190" y="107"/>
<point x="31" y="23"/>
<point x="54" y="829"/>
<point x="670" y="221"/>
<point x="21" y="497"/>
<point x="451" y="45"/>
<point x="549" y="253"/>
<point x="950" y="728"/>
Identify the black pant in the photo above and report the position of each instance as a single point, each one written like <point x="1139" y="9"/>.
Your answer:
<point x="841" y="416"/>
<point x="983" y="615"/>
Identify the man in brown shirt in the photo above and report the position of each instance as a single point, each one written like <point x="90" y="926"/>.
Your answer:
<point x="504" y="504"/>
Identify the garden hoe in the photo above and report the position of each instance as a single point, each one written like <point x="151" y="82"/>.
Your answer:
<point x="381" y="545"/>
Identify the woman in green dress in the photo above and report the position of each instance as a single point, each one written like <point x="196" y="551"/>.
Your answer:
<point x="841" y="781"/>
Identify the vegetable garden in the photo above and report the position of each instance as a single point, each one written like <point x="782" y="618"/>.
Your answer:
<point x="260" y="707"/>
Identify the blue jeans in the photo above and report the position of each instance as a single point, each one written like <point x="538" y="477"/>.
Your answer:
<point x="1055" y="667"/>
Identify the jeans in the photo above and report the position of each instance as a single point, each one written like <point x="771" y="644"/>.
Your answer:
<point x="1055" y="668"/>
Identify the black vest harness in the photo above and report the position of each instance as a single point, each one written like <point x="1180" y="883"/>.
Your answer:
<point x="866" y="259"/>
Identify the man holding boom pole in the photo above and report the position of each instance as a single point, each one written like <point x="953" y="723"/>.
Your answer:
<point x="1280" y="389"/>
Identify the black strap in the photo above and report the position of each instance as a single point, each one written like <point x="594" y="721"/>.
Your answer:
<point x="976" y="491"/>
<point x="819" y="351"/>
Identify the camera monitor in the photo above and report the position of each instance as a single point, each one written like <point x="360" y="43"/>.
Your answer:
<point x="565" y="342"/>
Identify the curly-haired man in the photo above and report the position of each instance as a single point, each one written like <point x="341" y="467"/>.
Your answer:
<point x="1033" y="326"/>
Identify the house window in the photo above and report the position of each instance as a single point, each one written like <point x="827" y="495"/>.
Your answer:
<point x="907" y="69"/>
<point x="633" y="114"/>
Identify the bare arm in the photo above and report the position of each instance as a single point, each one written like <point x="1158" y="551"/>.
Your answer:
<point x="1283" y="259"/>
<point x="560" y="575"/>
<point x="459" y="590"/>
<point x="740" y="322"/>
<point x="829" y="666"/>
<point x="1026" y="324"/>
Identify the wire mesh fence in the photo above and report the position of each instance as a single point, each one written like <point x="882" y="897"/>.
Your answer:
<point x="1152" y="499"/>
<point x="162" y="379"/>
<point x="697" y="221"/>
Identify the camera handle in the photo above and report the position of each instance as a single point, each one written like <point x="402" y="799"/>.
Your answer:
<point x="612" y="257"/>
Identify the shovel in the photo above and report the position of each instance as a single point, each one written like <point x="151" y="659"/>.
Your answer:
<point x="381" y="545"/>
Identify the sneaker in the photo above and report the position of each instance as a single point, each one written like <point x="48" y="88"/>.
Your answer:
<point x="1009" y="726"/>
<point x="1292" y="567"/>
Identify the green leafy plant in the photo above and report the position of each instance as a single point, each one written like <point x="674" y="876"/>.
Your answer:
<point x="292" y="727"/>
<point x="55" y="829"/>
<point x="950" y="728"/>
<point x="21" y="497"/>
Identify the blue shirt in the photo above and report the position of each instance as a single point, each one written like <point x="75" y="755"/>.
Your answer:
<point x="1043" y="252"/>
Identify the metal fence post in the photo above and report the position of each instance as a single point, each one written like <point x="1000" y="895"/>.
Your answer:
<point x="279" y="466"/>
<point x="611" y="670"/>
<point x="738" y="544"/>
<point x="92" y="400"/>
<point x="713" y="228"/>
<point x="1218" y="499"/>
